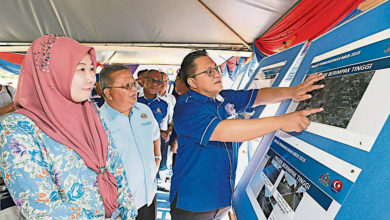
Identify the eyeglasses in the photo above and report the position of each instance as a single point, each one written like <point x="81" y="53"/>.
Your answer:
<point x="151" y="80"/>
<point x="128" y="86"/>
<point x="210" y="71"/>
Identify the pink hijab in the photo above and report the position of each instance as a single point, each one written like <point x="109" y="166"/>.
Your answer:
<point x="44" y="95"/>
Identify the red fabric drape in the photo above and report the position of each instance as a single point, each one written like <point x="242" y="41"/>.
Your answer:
<point x="306" y="21"/>
<point x="12" y="57"/>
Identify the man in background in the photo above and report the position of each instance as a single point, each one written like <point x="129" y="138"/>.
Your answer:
<point x="140" y="79"/>
<point x="180" y="86"/>
<point x="96" y="95"/>
<point x="165" y="135"/>
<point x="179" y="90"/>
<point x="149" y="96"/>
<point x="7" y="94"/>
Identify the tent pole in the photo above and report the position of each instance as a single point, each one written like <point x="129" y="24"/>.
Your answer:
<point x="223" y="23"/>
<point x="59" y="18"/>
<point x="109" y="61"/>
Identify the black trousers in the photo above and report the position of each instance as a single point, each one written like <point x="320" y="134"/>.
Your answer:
<point x="181" y="214"/>
<point x="173" y="159"/>
<point x="6" y="203"/>
<point x="148" y="212"/>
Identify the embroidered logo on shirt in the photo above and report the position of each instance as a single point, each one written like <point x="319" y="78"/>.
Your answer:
<point x="158" y="110"/>
<point x="144" y="116"/>
<point x="230" y="109"/>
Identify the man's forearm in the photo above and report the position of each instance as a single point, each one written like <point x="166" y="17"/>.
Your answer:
<point x="238" y="130"/>
<point x="157" y="151"/>
<point x="272" y="95"/>
<point x="170" y="127"/>
<point x="8" y="108"/>
<point x="298" y="92"/>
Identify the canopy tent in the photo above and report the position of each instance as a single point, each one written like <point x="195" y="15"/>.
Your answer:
<point x="142" y="32"/>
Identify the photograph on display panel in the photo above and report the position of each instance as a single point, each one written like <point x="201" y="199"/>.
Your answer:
<point x="266" y="201"/>
<point x="272" y="170"/>
<point x="340" y="97"/>
<point x="291" y="191"/>
<point x="266" y="76"/>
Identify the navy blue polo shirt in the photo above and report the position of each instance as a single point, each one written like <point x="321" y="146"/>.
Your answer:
<point x="204" y="171"/>
<point x="159" y="108"/>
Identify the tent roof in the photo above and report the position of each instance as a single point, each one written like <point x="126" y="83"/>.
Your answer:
<point x="140" y="31"/>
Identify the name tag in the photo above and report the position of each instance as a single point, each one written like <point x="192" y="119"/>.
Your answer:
<point x="146" y="123"/>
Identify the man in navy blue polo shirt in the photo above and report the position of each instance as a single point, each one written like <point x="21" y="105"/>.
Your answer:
<point x="153" y="81"/>
<point x="204" y="119"/>
<point x="149" y="96"/>
<point x="96" y="94"/>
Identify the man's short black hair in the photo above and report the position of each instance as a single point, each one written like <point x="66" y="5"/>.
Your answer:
<point x="187" y="67"/>
<point x="105" y="79"/>
<point x="141" y="72"/>
<point x="152" y="70"/>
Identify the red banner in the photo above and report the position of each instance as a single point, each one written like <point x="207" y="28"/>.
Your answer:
<point x="306" y="21"/>
<point x="15" y="58"/>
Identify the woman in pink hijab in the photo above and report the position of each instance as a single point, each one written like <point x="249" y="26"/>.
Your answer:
<point x="56" y="159"/>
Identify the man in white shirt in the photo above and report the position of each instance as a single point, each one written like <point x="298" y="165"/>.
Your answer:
<point x="171" y="101"/>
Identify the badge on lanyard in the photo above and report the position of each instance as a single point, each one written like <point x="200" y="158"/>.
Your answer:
<point x="229" y="108"/>
<point x="158" y="110"/>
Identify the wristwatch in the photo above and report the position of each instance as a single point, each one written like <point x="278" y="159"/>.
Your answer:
<point x="158" y="157"/>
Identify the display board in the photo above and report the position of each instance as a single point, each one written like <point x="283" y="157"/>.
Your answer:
<point x="357" y="77"/>
<point x="335" y="169"/>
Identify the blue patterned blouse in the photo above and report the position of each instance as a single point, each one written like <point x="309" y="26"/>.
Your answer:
<point x="48" y="180"/>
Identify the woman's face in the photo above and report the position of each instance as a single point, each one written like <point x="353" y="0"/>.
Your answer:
<point x="83" y="80"/>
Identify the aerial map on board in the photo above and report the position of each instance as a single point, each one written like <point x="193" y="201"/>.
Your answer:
<point x="339" y="98"/>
